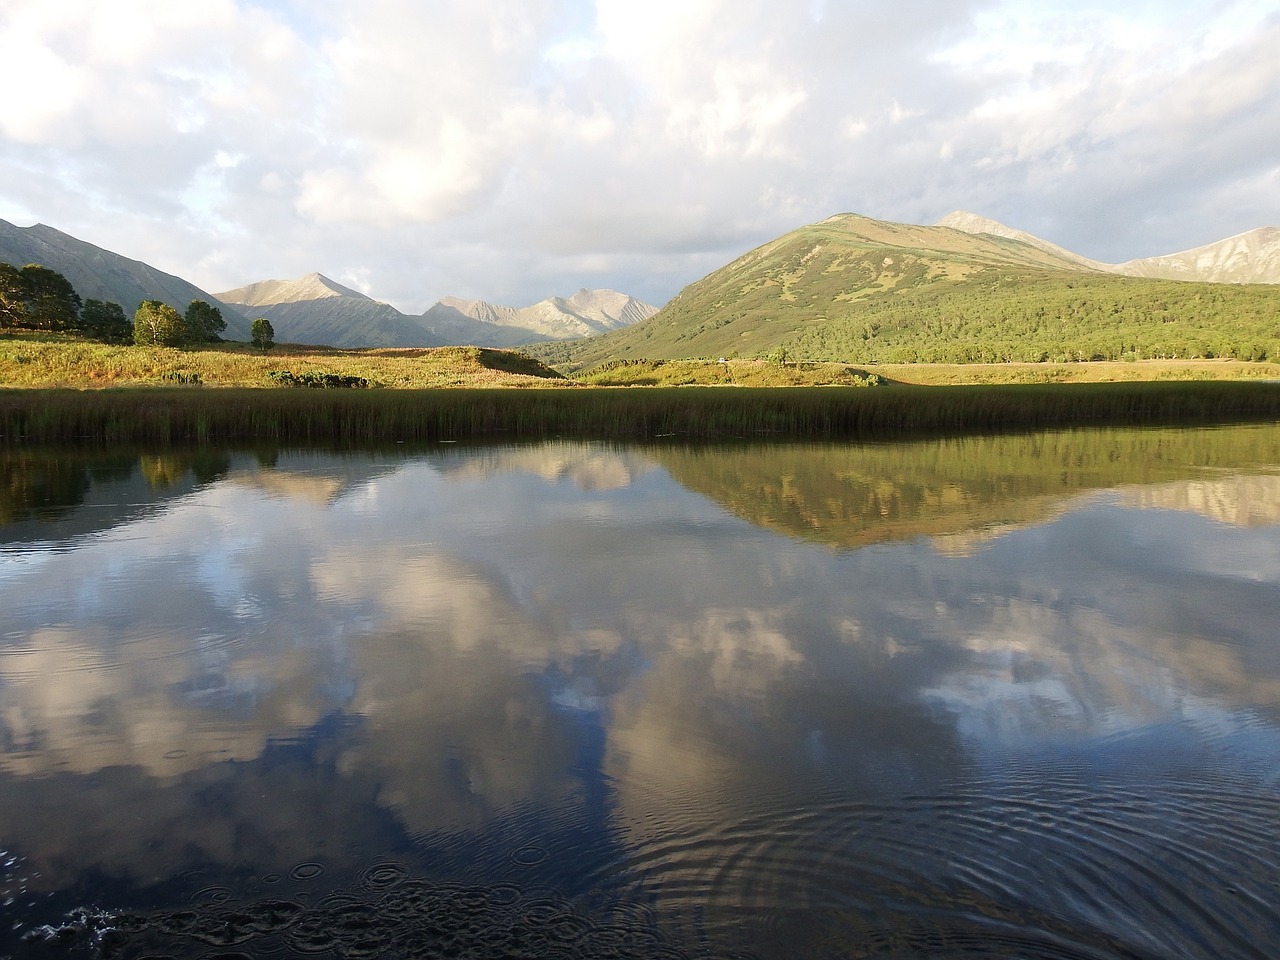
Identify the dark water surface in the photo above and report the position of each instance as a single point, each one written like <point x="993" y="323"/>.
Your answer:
<point x="1004" y="696"/>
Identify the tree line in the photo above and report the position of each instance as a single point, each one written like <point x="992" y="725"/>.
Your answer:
<point x="37" y="298"/>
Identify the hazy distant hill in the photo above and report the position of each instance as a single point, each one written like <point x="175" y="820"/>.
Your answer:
<point x="98" y="274"/>
<point x="586" y="313"/>
<point x="316" y="310"/>
<point x="853" y="289"/>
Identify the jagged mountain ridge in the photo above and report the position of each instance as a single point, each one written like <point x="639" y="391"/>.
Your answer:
<point x="1249" y="257"/>
<point x="98" y="274"/>
<point x="584" y="314"/>
<point x="316" y="309"/>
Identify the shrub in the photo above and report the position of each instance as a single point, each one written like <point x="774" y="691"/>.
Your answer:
<point x="287" y="378"/>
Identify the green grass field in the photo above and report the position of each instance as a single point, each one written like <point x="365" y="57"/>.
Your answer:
<point x="51" y="361"/>
<point x="63" y="361"/>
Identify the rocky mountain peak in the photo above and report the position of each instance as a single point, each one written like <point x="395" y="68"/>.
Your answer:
<point x="313" y="286"/>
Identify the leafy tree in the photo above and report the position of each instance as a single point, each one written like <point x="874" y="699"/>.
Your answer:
<point x="264" y="335"/>
<point x="158" y="324"/>
<point x="204" y="322"/>
<point x="37" y="298"/>
<point x="52" y="303"/>
<point x="13" y="298"/>
<point x="105" y="321"/>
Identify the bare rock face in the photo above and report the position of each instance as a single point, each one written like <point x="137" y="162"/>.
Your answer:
<point x="1252" y="257"/>
<point x="316" y="309"/>
<point x="608" y="308"/>
<point x="586" y="313"/>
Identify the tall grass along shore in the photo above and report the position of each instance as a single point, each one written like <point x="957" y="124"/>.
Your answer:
<point x="178" y="414"/>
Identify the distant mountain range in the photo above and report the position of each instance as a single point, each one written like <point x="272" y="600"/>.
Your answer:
<point x="315" y="309"/>
<point x="98" y="274"/>
<point x="858" y="290"/>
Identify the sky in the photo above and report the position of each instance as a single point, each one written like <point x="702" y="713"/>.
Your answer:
<point x="511" y="150"/>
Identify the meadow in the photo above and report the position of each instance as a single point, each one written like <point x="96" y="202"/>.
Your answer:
<point x="46" y="361"/>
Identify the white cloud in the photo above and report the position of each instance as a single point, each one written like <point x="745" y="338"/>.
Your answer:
<point x="510" y="150"/>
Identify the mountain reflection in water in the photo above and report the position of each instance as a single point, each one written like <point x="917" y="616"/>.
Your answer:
<point x="992" y="696"/>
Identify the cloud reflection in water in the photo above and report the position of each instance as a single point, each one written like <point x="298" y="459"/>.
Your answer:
<point x="563" y="634"/>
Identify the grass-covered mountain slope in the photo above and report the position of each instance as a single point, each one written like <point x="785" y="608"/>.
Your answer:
<point x="852" y="289"/>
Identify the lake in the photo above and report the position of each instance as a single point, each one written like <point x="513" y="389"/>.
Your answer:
<point x="1009" y="696"/>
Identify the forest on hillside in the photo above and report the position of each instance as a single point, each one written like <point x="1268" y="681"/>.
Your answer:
<point x="997" y="316"/>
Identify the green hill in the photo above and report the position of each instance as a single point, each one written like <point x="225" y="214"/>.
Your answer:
<point x="857" y="290"/>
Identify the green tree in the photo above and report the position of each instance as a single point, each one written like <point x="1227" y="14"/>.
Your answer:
<point x="105" y="321"/>
<point x="37" y="298"/>
<point x="158" y="324"/>
<point x="52" y="303"/>
<point x="204" y="322"/>
<point x="13" y="299"/>
<point x="264" y="335"/>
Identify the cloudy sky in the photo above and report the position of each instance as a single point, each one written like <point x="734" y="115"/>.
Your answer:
<point x="511" y="150"/>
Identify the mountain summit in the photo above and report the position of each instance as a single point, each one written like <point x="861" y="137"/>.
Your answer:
<point x="978" y="225"/>
<point x="1251" y="257"/>
<point x="314" y="286"/>
<point x="585" y="314"/>
<point x="316" y="309"/>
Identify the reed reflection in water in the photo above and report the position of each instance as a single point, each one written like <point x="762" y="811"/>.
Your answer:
<point x="996" y="696"/>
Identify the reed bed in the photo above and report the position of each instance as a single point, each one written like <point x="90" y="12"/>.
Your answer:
<point x="360" y="416"/>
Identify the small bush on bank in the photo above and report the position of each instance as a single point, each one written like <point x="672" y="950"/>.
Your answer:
<point x="330" y="381"/>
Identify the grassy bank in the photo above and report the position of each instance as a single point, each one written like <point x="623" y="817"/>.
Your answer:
<point x="45" y="361"/>
<point x="356" y="416"/>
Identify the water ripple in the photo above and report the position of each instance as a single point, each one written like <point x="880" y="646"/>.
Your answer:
<point x="1040" y="868"/>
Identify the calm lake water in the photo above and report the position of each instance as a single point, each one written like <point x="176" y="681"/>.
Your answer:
<point x="1005" y="696"/>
